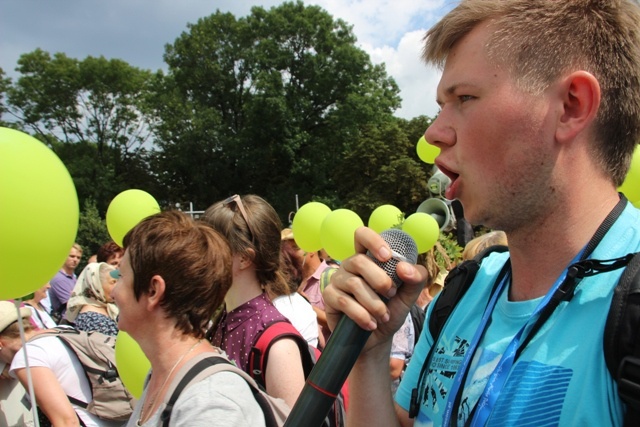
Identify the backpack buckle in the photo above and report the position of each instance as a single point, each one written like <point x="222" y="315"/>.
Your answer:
<point x="629" y="381"/>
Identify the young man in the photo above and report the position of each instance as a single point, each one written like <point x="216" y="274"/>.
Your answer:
<point x="63" y="282"/>
<point x="540" y="115"/>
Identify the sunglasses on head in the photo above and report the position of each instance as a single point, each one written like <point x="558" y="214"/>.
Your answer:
<point x="238" y="201"/>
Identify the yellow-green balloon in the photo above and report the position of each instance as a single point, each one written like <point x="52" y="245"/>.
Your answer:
<point x="38" y="214"/>
<point x="132" y="363"/>
<point x="384" y="217"/>
<point x="306" y="225"/>
<point x="337" y="233"/>
<point x="423" y="228"/>
<point x="126" y="210"/>
<point x="631" y="185"/>
<point x="427" y="152"/>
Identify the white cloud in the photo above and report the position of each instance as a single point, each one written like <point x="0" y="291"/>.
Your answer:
<point x="380" y="22"/>
<point x="417" y="81"/>
<point x="391" y="31"/>
<point x="137" y="31"/>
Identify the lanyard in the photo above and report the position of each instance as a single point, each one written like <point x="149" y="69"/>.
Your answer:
<point x="500" y="373"/>
<point x="464" y="365"/>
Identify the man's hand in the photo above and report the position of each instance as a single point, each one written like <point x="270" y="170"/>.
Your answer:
<point x="356" y="287"/>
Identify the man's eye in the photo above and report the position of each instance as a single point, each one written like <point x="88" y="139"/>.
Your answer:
<point x="465" y="98"/>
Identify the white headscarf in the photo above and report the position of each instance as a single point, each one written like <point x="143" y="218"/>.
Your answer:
<point x="89" y="290"/>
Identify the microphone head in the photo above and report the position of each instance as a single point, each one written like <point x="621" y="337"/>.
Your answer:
<point x="403" y="248"/>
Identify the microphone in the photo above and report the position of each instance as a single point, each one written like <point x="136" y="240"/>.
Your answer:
<point x="344" y="346"/>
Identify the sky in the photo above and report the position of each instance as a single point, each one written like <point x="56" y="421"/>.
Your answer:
<point x="136" y="31"/>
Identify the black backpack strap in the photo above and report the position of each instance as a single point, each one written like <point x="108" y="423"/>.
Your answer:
<point x="417" y="318"/>
<point x="621" y="339"/>
<point x="199" y="367"/>
<point x="184" y="382"/>
<point x="456" y="285"/>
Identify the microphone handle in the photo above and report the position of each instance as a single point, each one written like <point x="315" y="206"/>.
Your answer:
<point x="328" y="375"/>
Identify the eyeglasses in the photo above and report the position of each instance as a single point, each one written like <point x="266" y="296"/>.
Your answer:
<point x="238" y="201"/>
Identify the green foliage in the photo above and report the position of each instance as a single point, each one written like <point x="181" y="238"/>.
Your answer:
<point x="449" y="243"/>
<point x="92" y="231"/>
<point x="267" y="104"/>
<point x="90" y="113"/>
<point x="5" y="83"/>
<point x="280" y="103"/>
<point x="381" y="168"/>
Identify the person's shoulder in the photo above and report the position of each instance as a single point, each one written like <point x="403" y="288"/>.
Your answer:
<point x="40" y="352"/>
<point x="221" y="392"/>
<point x="493" y="262"/>
<point x="93" y="321"/>
<point x="59" y="276"/>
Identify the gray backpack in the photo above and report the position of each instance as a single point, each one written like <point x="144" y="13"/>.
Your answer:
<point x="96" y="352"/>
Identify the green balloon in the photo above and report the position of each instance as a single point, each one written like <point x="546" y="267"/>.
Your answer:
<point x="337" y="233"/>
<point x="132" y="363"/>
<point x="306" y="226"/>
<point x="384" y="217"/>
<point x="424" y="229"/>
<point x="38" y="214"/>
<point x="126" y="210"/>
<point x="427" y="152"/>
<point x="631" y="185"/>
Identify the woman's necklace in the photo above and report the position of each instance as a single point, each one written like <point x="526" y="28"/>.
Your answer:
<point x="149" y="406"/>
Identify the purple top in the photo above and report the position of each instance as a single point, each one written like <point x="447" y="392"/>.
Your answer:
<point x="61" y="287"/>
<point x="237" y="330"/>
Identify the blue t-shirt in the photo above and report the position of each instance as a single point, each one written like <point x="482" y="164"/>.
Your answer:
<point x="560" y="378"/>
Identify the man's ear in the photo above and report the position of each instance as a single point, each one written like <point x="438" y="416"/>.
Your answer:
<point x="580" y="92"/>
<point x="156" y="292"/>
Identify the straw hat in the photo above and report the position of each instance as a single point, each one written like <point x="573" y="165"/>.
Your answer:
<point x="9" y="314"/>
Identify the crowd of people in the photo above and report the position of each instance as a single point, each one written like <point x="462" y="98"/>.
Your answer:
<point x="540" y="115"/>
<point x="184" y="290"/>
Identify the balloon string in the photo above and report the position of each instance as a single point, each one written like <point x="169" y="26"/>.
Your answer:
<point x="32" y="394"/>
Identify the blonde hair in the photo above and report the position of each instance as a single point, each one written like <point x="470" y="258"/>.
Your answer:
<point x="428" y="259"/>
<point x="480" y="243"/>
<point x="539" y="40"/>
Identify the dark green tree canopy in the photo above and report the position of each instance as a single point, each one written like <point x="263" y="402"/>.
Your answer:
<point x="90" y="113"/>
<point x="281" y="103"/>
<point x="269" y="103"/>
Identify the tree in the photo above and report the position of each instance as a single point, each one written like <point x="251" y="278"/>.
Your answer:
<point x="89" y="113"/>
<point x="268" y="104"/>
<point x="5" y="82"/>
<point x="382" y="168"/>
<point x="92" y="231"/>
